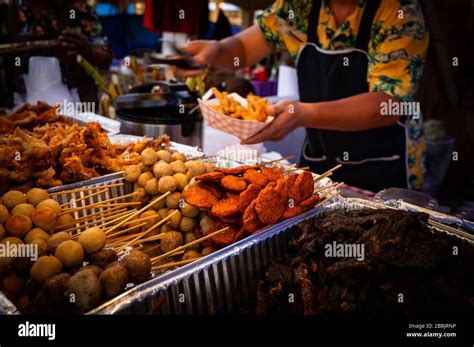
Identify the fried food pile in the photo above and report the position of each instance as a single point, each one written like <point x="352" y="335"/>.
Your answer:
<point x="248" y="199"/>
<point x="401" y="255"/>
<point x="40" y="148"/>
<point x="254" y="110"/>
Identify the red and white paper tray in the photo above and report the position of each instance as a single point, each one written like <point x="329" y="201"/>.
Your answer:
<point x="243" y="129"/>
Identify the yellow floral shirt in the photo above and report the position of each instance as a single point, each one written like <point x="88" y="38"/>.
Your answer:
<point x="397" y="51"/>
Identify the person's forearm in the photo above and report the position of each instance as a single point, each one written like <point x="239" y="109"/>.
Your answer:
<point x="245" y="49"/>
<point x="355" y="113"/>
<point x="231" y="54"/>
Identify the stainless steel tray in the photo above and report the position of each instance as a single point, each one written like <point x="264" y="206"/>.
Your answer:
<point x="220" y="282"/>
<point x="210" y="285"/>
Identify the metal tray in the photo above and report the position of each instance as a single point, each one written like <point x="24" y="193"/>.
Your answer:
<point x="212" y="284"/>
<point x="220" y="283"/>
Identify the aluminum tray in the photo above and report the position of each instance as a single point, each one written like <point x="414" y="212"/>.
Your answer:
<point x="220" y="283"/>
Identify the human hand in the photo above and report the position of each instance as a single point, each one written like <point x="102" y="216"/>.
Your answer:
<point x="287" y="115"/>
<point x="202" y="53"/>
<point x="73" y="41"/>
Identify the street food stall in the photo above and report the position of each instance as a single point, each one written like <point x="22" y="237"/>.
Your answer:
<point x="264" y="189"/>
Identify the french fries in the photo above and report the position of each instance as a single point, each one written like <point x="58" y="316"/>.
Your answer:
<point x="256" y="109"/>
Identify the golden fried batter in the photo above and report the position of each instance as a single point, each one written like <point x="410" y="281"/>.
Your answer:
<point x="225" y="207"/>
<point x="270" y="205"/>
<point x="255" y="177"/>
<point x="247" y="196"/>
<point x="199" y="197"/>
<point x="236" y="170"/>
<point x="272" y="174"/>
<point x="233" y="183"/>
<point x="305" y="185"/>
<point x="210" y="177"/>
<point x="293" y="192"/>
<point x="251" y="222"/>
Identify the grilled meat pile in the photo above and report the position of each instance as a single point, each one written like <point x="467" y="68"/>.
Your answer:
<point x="406" y="268"/>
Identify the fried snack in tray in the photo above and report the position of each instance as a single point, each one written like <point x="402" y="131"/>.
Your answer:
<point x="273" y="174"/>
<point x="225" y="207"/>
<point x="233" y="183"/>
<point x="40" y="147"/>
<point x="200" y="197"/>
<point x="255" y="109"/>
<point x="255" y="177"/>
<point x="236" y="170"/>
<point x="247" y="196"/>
<point x="270" y="205"/>
<point x="248" y="199"/>
<point x="210" y="177"/>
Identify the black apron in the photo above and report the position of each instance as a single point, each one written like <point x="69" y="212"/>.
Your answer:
<point x="372" y="159"/>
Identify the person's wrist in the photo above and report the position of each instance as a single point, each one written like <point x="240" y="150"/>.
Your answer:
<point x="301" y="112"/>
<point x="216" y="49"/>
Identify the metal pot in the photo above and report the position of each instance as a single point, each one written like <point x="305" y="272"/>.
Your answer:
<point x="170" y="109"/>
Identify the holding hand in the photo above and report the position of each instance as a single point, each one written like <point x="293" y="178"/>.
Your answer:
<point x="287" y="115"/>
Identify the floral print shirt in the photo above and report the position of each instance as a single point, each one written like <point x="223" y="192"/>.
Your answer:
<point x="397" y="51"/>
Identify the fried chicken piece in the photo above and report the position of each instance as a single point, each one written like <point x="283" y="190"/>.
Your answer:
<point x="293" y="192"/>
<point x="215" y="188"/>
<point x="270" y="205"/>
<point x="311" y="201"/>
<point x="305" y="205"/>
<point x="236" y="170"/>
<point x="305" y="185"/>
<point x="233" y="183"/>
<point x="199" y="197"/>
<point x="272" y="174"/>
<point x="225" y="207"/>
<point x="282" y="188"/>
<point x="240" y="235"/>
<point x="47" y="179"/>
<point x="225" y="237"/>
<point x="255" y="177"/>
<point x="293" y="211"/>
<point x="210" y="177"/>
<point x="74" y="170"/>
<point x="247" y="196"/>
<point x="233" y="220"/>
<point x="251" y="222"/>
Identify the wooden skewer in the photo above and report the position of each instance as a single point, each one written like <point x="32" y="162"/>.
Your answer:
<point x="120" y="232"/>
<point x="152" y="248"/>
<point x="304" y="168"/>
<point x="173" y="264"/>
<point x="138" y="212"/>
<point x="334" y="185"/>
<point x="327" y="173"/>
<point x="135" y="221"/>
<point x="100" y="214"/>
<point x="100" y="202"/>
<point x="85" y="197"/>
<point x="91" y="223"/>
<point x="277" y="160"/>
<point x="180" y="248"/>
<point x="123" y="204"/>
<point x="86" y="189"/>
<point x="119" y="241"/>
<point x="153" y="227"/>
<point x="114" y="217"/>
<point x="450" y="228"/>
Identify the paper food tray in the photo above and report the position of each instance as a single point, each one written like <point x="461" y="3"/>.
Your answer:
<point x="243" y="129"/>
